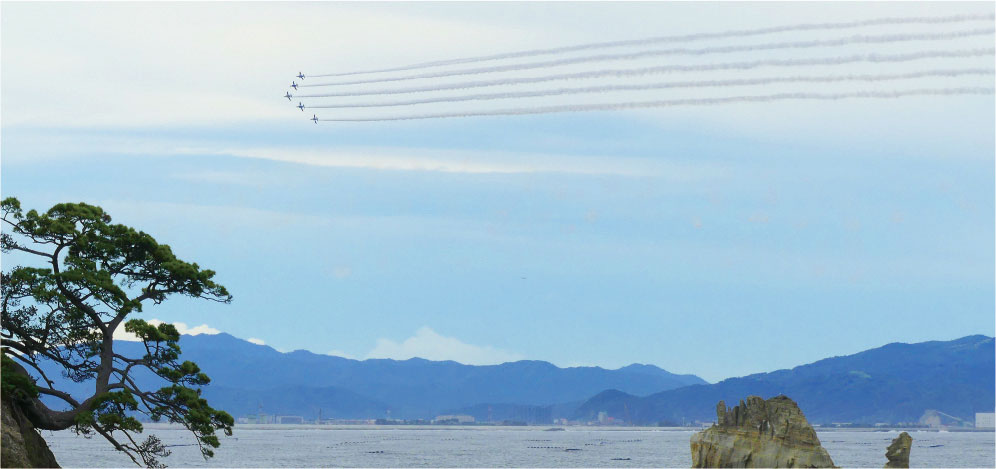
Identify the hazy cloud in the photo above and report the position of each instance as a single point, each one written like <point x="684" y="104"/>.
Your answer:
<point x="373" y="157"/>
<point x="340" y="353"/>
<point x="428" y="344"/>
<point x="182" y="328"/>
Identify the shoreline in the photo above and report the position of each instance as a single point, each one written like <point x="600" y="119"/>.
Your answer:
<point x="546" y="428"/>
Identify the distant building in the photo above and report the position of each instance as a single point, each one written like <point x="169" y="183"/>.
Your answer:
<point x="290" y="419"/>
<point x="985" y="420"/>
<point x="453" y="419"/>
<point x="603" y="417"/>
<point x="931" y="419"/>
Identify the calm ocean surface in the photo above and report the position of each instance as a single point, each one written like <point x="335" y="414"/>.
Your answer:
<point x="385" y="446"/>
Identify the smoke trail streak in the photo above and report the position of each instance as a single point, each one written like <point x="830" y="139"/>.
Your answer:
<point x="682" y="38"/>
<point x="684" y="102"/>
<point x="855" y="39"/>
<point x="675" y="84"/>
<point x="872" y="58"/>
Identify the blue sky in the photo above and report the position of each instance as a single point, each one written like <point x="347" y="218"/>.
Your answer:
<point x="718" y="240"/>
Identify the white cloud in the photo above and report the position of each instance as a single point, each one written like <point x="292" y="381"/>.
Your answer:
<point x="121" y="334"/>
<point x="471" y="162"/>
<point x="202" y="329"/>
<point x="577" y="364"/>
<point x="340" y="353"/>
<point x="428" y="344"/>
<point x="44" y="143"/>
<point x="256" y="341"/>
<point x="182" y="328"/>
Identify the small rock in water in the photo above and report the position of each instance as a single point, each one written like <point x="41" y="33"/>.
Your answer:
<point x="898" y="452"/>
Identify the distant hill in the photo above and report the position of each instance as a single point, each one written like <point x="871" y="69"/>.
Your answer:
<point x="518" y="412"/>
<point x="245" y="376"/>
<point x="894" y="383"/>
<point x="306" y="401"/>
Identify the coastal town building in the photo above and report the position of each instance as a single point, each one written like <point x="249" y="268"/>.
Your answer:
<point x="453" y="419"/>
<point x="985" y="420"/>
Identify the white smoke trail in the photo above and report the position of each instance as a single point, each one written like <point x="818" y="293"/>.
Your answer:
<point x="872" y="58"/>
<point x="856" y="39"/>
<point x="674" y="84"/>
<point x="684" y="102"/>
<point x="682" y="38"/>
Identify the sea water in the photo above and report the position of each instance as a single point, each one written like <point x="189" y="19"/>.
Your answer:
<point x="436" y="446"/>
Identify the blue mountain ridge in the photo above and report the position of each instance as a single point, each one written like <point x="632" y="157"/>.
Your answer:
<point x="892" y="384"/>
<point x="246" y="377"/>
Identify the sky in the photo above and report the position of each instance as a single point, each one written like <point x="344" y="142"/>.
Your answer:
<point x="719" y="240"/>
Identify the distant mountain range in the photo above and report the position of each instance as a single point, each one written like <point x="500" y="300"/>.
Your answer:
<point x="246" y="376"/>
<point x="894" y="383"/>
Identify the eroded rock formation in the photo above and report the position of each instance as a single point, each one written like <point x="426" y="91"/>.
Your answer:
<point x="21" y="445"/>
<point x="759" y="433"/>
<point x="898" y="452"/>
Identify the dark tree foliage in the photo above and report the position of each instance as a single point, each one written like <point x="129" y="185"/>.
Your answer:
<point x="90" y="277"/>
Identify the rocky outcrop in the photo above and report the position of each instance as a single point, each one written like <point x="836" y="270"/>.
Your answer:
<point x="20" y="443"/>
<point x="898" y="452"/>
<point x="759" y="433"/>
